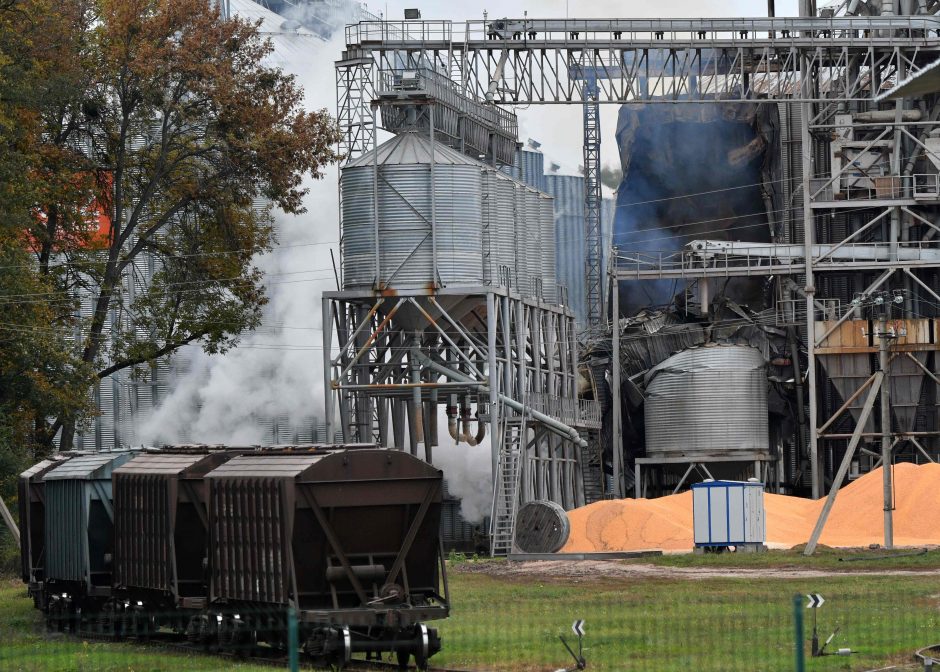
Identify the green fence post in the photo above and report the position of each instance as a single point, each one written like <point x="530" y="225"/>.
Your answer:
<point x="293" y="645"/>
<point x="798" y="632"/>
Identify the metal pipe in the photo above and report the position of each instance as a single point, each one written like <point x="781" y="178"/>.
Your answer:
<point x="843" y="467"/>
<point x="556" y="426"/>
<point x="418" y="421"/>
<point x="806" y="145"/>
<point x="616" y="438"/>
<point x="435" y="276"/>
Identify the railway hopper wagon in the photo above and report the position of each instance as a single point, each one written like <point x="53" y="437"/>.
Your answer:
<point x="31" y="497"/>
<point x="349" y="539"/>
<point x="79" y="536"/>
<point x="161" y="540"/>
<point x="221" y="544"/>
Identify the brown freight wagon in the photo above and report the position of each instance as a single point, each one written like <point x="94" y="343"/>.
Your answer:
<point x="161" y="531"/>
<point x="350" y="539"/>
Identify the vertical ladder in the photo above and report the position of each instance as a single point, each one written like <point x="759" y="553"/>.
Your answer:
<point x="506" y="492"/>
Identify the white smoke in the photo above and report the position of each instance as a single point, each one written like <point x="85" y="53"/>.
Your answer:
<point x="277" y="369"/>
<point x="468" y="470"/>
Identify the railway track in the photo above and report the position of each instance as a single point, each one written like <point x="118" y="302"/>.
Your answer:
<point x="172" y="642"/>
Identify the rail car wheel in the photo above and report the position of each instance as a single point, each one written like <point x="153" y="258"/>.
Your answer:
<point x="330" y="647"/>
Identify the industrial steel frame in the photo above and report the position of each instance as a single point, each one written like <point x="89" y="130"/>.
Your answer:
<point x="400" y="354"/>
<point x="820" y="63"/>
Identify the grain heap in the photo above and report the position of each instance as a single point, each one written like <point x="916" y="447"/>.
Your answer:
<point x="855" y="520"/>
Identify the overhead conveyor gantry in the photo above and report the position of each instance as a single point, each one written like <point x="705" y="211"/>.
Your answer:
<point x="821" y="65"/>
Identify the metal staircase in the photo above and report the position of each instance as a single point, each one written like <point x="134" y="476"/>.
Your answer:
<point x="506" y="492"/>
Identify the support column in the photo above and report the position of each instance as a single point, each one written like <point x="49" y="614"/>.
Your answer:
<point x="616" y="439"/>
<point x="810" y="289"/>
<point x="886" y="445"/>
<point x="493" y="378"/>
<point x="328" y="401"/>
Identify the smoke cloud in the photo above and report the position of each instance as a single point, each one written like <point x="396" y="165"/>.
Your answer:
<point x="468" y="470"/>
<point x="276" y="371"/>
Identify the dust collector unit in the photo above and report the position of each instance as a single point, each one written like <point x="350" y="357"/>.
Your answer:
<point x="706" y="402"/>
<point x="400" y="248"/>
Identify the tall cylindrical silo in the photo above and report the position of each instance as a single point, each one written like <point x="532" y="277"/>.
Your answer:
<point x="547" y="242"/>
<point x="499" y="196"/>
<point x="568" y="192"/>
<point x="706" y="402"/>
<point x="532" y="245"/>
<point x="523" y="282"/>
<point x="532" y="167"/>
<point x="400" y="249"/>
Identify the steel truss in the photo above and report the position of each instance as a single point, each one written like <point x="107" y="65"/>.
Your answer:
<point x="825" y="65"/>
<point x="398" y="356"/>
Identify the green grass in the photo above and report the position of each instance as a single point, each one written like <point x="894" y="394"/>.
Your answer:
<point x="26" y="646"/>
<point x="512" y="624"/>
<point x="686" y="624"/>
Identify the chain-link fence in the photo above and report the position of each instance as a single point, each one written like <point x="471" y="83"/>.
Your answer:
<point x="513" y="617"/>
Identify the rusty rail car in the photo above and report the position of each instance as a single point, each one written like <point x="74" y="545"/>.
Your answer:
<point x="219" y="544"/>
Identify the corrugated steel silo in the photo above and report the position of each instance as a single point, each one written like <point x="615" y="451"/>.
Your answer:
<point x="707" y="401"/>
<point x="547" y="240"/>
<point x="568" y="192"/>
<point x="531" y="243"/>
<point x="499" y="212"/>
<point x="532" y="167"/>
<point x="407" y="251"/>
<point x="523" y="281"/>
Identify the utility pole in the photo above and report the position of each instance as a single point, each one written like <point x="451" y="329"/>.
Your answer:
<point x="884" y="364"/>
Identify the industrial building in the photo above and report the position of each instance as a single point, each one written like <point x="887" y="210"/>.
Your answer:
<point x="773" y="275"/>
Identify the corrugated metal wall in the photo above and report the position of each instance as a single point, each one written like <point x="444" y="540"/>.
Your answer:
<point x="249" y="527"/>
<point x="67" y="529"/>
<point x="142" y="532"/>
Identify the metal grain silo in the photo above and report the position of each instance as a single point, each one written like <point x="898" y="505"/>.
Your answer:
<point x="499" y="235"/>
<point x="523" y="280"/>
<point x="532" y="166"/>
<point x="531" y="244"/>
<point x="568" y="192"/>
<point x="707" y="401"/>
<point x="399" y="249"/>
<point x="547" y="241"/>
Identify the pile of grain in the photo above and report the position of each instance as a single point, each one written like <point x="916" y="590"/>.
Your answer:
<point x="856" y="519"/>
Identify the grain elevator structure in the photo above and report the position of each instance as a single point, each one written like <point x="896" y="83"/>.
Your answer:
<point x="770" y="304"/>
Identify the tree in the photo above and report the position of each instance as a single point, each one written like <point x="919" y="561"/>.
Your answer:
<point x="164" y="131"/>
<point x="39" y="375"/>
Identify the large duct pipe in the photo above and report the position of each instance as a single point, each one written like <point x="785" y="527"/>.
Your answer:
<point x="465" y="436"/>
<point x="887" y="116"/>
<point x="551" y="423"/>
<point x="708" y="249"/>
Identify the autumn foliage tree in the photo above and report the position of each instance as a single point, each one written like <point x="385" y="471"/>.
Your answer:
<point x="39" y="374"/>
<point x="165" y="131"/>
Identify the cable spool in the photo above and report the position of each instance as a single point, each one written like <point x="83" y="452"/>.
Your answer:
<point x="541" y="527"/>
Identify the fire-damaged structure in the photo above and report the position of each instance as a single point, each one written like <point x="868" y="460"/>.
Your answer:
<point x="768" y="188"/>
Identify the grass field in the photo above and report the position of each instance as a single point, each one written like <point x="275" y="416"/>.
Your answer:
<point x="512" y="623"/>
